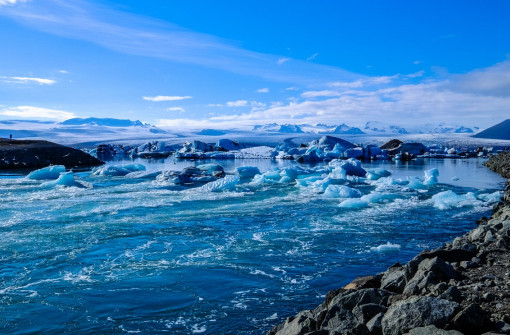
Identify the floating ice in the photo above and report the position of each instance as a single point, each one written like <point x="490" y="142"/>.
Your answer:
<point x="376" y="197"/>
<point x="117" y="170"/>
<point x="65" y="179"/>
<point x="352" y="167"/>
<point x="490" y="197"/>
<point x="248" y="171"/>
<point x="224" y="184"/>
<point x="449" y="199"/>
<point x="49" y="172"/>
<point x="375" y="174"/>
<point x="211" y="169"/>
<point x="386" y="247"/>
<point x="353" y="204"/>
<point x="341" y="191"/>
<point x="353" y="153"/>
<point x="416" y="183"/>
<point x="431" y="177"/>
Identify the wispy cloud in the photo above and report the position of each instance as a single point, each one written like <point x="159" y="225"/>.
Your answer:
<point x="282" y="60"/>
<point x="244" y="103"/>
<point x="37" y="113"/>
<point x="160" y="98"/>
<point x="176" y="109"/>
<point x="312" y="57"/>
<point x="480" y="98"/>
<point x="10" y="2"/>
<point x="28" y="80"/>
<point x="133" y="34"/>
<point x="263" y="90"/>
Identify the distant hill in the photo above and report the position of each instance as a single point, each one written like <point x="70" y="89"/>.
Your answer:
<point x="383" y="128"/>
<point x="501" y="131"/>
<point x="276" y="128"/>
<point x="108" y="122"/>
<point x="345" y="129"/>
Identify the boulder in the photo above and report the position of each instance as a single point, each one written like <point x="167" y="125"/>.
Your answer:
<point x="415" y="312"/>
<point x="472" y="320"/>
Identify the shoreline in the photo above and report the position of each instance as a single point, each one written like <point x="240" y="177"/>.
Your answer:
<point x="462" y="287"/>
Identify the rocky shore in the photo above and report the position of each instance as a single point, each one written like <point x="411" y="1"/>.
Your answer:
<point x="460" y="288"/>
<point x="28" y="154"/>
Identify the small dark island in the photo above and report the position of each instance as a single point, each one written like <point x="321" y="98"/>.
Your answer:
<point x="33" y="154"/>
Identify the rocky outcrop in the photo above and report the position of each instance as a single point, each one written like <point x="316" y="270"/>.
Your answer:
<point x="460" y="288"/>
<point x="29" y="154"/>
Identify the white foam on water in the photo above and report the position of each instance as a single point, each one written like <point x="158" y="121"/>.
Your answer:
<point x="386" y="247"/>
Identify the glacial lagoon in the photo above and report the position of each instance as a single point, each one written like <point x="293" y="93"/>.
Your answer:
<point x="130" y="254"/>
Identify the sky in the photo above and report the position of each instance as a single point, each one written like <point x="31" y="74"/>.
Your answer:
<point x="234" y="64"/>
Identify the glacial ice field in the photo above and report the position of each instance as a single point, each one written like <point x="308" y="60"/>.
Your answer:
<point x="124" y="250"/>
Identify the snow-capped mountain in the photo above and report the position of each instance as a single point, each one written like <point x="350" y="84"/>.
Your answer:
<point x="500" y="131"/>
<point x="80" y="130"/>
<point x="276" y="128"/>
<point x="319" y="128"/>
<point x="376" y="127"/>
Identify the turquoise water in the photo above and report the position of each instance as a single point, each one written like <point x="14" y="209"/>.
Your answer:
<point x="131" y="255"/>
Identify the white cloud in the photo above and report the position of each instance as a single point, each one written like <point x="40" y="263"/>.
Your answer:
<point x="133" y="34"/>
<point x="28" y="80"/>
<point x="10" y="2"/>
<point x="263" y="90"/>
<point x="244" y="103"/>
<point x="166" y="98"/>
<point x="37" y="113"/>
<point x="312" y="57"/>
<point x="63" y="71"/>
<point x="176" y="109"/>
<point x="282" y="60"/>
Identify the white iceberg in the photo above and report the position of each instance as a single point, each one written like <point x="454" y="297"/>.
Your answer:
<point x="49" y="172"/>
<point x="449" y="199"/>
<point x="386" y="247"/>
<point x="342" y="191"/>
<point x="224" y="184"/>
<point x="353" y="204"/>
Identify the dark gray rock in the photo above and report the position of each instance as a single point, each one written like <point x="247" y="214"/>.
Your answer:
<point x="432" y="330"/>
<point x="472" y="320"/>
<point x="452" y="294"/>
<point x="394" y="280"/>
<point x="415" y="312"/>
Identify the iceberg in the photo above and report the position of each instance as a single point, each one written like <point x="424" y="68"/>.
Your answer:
<point x="247" y="171"/>
<point x="431" y="177"/>
<point x="386" y="247"/>
<point x="377" y="173"/>
<point x="225" y="184"/>
<point x="378" y="197"/>
<point x="353" y="204"/>
<point x="49" y="172"/>
<point x="65" y="179"/>
<point x="117" y="170"/>
<point x="491" y="197"/>
<point x="352" y="167"/>
<point x="449" y="199"/>
<point x="341" y="191"/>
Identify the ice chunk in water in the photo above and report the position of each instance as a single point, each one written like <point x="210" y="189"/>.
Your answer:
<point x="353" y="203"/>
<point x="431" y="177"/>
<point x="341" y="191"/>
<point x="377" y="173"/>
<point x="211" y="169"/>
<point x="224" y="184"/>
<point x="490" y="197"/>
<point x="65" y="179"/>
<point x="110" y="170"/>
<point x="49" y="172"/>
<point x="416" y="183"/>
<point x="449" y="199"/>
<point x="386" y="247"/>
<point x="353" y="167"/>
<point x="134" y="167"/>
<point x="248" y="171"/>
<point x="376" y="197"/>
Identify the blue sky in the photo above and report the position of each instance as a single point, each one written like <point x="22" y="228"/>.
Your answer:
<point x="222" y="64"/>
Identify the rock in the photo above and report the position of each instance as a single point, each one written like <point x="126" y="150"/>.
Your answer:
<point x="452" y="294"/>
<point x="432" y="330"/>
<point x="416" y="311"/>
<point x="429" y="272"/>
<point x="394" y="280"/>
<point x="365" y="313"/>
<point x="30" y="154"/>
<point x="374" y="326"/>
<point x="363" y="282"/>
<point x="472" y="320"/>
<point x="301" y="324"/>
